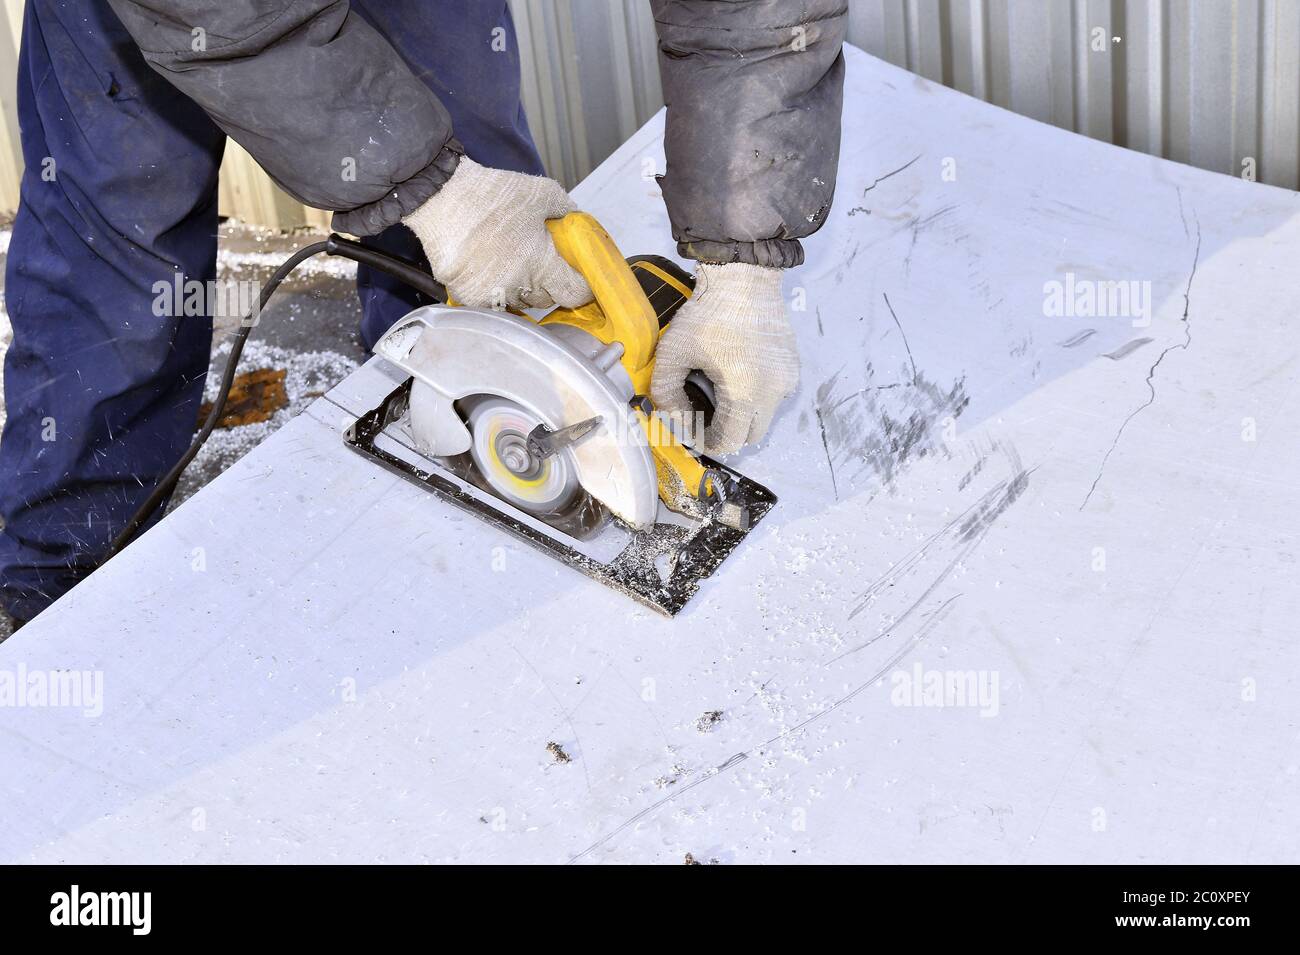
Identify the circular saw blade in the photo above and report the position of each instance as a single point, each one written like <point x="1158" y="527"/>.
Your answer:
<point x="499" y="429"/>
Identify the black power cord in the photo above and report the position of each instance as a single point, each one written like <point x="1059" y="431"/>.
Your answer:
<point x="400" y="268"/>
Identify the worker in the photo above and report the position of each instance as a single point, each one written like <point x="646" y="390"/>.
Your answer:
<point x="403" y="117"/>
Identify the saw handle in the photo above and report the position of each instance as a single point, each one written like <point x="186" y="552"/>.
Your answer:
<point x="585" y="245"/>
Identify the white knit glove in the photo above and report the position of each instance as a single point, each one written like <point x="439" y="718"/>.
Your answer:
<point x="485" y="235"/>
<point x="734" y="329"/>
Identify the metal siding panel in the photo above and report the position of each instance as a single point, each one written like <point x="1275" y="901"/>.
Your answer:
<point x="867" y="28"/>
<point x="1245" y="87"/>
<point x="998" y="48"/>
<point x="11" y="154"/>
<point x="643" y="50"/>
<point x="1279" y="161"/>
<point x="248" y="194"/>
<point x="1203" y="60"/>
<point x="603" y="80"/>
<point x="1177" y="118"/>
<point x="896" y="51"/>
<point x="1027" y="60"/>
<point x="968" y="50"/>
<point x="535" y="25"/>
<point x="590" y="78"/>
<point x="927" y="34"/>
<point x="1066" y="48"/>
<point x="1095" y="71"/>
<point x="1143" y="46"/>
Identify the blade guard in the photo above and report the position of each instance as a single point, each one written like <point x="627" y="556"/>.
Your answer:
<point x="453" y="352"/>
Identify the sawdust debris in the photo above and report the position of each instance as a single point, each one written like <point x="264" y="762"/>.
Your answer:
<point x="708" y="721"/>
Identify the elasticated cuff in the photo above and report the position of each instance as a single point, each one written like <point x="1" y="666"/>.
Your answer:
<point x="769" y="253"/>
<point x="404" y="198"/>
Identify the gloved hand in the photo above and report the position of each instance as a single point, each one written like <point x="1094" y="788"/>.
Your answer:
<point x="485" y="235"/>
<point x="734" y="329"/>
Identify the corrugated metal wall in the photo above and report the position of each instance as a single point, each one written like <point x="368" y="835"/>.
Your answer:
<point x="1206" y="82"/>
<point x="10" y="153"/>
<point x="1214" y="83"/>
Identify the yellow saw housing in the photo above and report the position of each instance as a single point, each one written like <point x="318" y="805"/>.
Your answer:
<point x="622" y="313"/>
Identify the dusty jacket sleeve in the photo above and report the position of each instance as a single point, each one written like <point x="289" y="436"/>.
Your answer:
<point x="754" y="90"/>
<point x="316" y="95"/>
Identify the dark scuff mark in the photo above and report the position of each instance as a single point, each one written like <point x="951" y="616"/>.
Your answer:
<point x="970" y="475"/>
<point x="830" y="459"/>
<point x="990" y="505"/>
<point x="901" y="332"/>
<point x="988" y="509"/>
<point x="921" y="225"/>
<point x="954" y="542"/>
<point x="1079" y="338"/>
<point x="1128" y="348"/>
<point x="857" y="247"/>
<point x="925" y="222"/>
<point x="882" y="428"/>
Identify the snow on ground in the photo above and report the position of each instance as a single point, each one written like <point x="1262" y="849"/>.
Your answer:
<point x="308" y="375"/>
<point x="308" y="330"/>
<point x="230" y="260"/>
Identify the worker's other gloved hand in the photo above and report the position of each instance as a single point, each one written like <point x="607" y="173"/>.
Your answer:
<point x="734" y="329"/>
<point x="485" y="235"/>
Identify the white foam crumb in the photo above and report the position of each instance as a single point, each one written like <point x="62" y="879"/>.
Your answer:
<point x="799" y="560"/>
<point x="328" y="265"/>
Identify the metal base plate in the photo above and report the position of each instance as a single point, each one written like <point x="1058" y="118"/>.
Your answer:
<point x="661" y="567"/>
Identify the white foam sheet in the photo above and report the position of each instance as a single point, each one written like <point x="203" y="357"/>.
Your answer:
<point x="313" y="660"/>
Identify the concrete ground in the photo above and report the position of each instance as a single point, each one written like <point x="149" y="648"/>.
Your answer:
<point x="307" y="340"/>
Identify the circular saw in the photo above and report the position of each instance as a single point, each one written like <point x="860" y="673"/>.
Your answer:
<point x="544" y="426"/>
